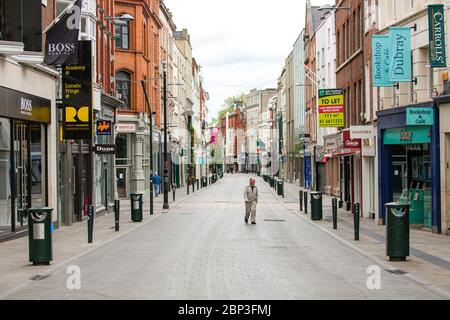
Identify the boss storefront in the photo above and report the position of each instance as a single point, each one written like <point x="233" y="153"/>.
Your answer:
<point x="24" y="121"/>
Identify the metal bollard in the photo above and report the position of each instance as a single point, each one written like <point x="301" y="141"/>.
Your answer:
<point x="334" y="210"/>
<point x="117" y="214"/>
<point x="90" y="223"/>
<point x="187" y="184"/>
<point x="356" y="220"/>
<point x="173" y="193"/>
<point x="300" y="199"/>
<point x="306" y="201"/>
<point x="193" y="187"/>
<point x="198" y="184"/>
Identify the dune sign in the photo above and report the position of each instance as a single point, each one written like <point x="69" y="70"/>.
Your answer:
<point x="331" y="108"/>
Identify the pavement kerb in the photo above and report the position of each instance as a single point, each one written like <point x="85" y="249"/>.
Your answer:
<point x="94" y="246"/>
<point x="442" y="293"/>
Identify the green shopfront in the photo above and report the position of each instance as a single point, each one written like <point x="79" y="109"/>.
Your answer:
<point x="409" y="167"/>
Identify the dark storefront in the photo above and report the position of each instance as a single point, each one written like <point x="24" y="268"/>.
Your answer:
<point x="23" y="162"/>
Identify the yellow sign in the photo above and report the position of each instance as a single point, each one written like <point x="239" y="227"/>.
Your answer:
<point x="331" y="108"/>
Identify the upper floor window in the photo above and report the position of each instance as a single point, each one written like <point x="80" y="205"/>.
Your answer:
<point x="123" y="85"/>
<point x="122" y="35"/>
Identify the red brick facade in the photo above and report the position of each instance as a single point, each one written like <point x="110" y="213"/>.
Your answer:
<point x="142" y="59"/>
<point x="350" y="58"/>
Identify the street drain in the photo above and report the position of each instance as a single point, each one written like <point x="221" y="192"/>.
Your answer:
<point x="39" y="277"/>
<point x="274" y="220"/>
<point x="397" y="271"/>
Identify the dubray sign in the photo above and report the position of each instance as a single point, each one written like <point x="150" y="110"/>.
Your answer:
<point x="436" y="27"/>
<point x="400" y="54"/>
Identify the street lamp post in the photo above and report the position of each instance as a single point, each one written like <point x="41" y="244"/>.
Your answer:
<point x="166" y="163"/>
<point x="151" y="146"/>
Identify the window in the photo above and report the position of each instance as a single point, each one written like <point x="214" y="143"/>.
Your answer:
<point x="123" y="81"/>
<point x="122" y="35"/>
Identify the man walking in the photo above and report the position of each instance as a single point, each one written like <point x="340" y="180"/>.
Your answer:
<point x="156" y="184"/>
<point x="251" y="200"/>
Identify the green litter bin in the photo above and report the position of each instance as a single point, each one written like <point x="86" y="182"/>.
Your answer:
<point x="136" y="207"/>
<point x="397" y="231"/>
<point x="316" y="205"/>
<point x="280" y="187"/>
<point x="40" y="235"/>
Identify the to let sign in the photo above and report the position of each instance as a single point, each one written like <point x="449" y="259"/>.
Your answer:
<point x="331" y="108"/>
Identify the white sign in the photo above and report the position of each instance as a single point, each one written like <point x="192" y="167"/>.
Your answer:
<point x="368" y="147"/>
<point x="126" y="127"/>
<point x="362" y="132"/>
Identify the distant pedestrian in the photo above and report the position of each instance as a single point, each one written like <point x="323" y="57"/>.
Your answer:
<point x="156" y="184"/>
<point x="251" y="200"/>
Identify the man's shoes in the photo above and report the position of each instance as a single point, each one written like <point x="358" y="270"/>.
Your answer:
<point x="246" y="221"/>
<point x="253" y="222"/>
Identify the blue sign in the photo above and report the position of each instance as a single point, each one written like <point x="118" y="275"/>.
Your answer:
<point x="104" y="127"/>
<point x="419" y="117"/>
<point x="380" y="61"/>
<point x="400" y="54"/>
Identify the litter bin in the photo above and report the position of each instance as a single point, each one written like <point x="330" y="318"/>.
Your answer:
<point x="397" y="231"/>
<point x="271" y="181"/>
<point x="316" y="205"/>
<point x="136" y="207"/>
<point x="40" y="235"/>
<point x="280" y="187"/>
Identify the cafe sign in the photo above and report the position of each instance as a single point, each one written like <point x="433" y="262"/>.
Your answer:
<point x="419" y="117"/>
<point x="436" y="27"/>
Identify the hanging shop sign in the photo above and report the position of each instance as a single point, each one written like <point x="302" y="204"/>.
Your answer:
<point x="368" y="147"/>
<point x="61" y="41"/>
<point x="381" y="60"/>
<point x="419" y="117"/>
<point x="407" y="135"/>
<point x="331" y="108"/>
<point x="24" y="106"/>
<point x="362" y="132"/>
<point x="350" y="143"/>
<point x="103" y="127"/>
<point x="436" y="27"/>
<point x="77" y="95"/>
<point x="126" y="128"/>
<point x="105" y="149"/>
<point x="400" y="54"/>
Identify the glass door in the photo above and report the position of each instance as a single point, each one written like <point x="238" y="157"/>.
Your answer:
<point x="5" y="177"/>
<point x="22" y="177"/>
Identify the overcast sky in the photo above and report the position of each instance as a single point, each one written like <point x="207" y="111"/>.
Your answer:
<point x="240" y="44"/>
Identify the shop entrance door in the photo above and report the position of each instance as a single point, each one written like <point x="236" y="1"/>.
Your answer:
<point x="22" y="194"/>
<point x="79" y="176"/>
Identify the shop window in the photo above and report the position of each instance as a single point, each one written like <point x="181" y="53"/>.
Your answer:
<point x="22" y="23"/>
<point x="123" y="83"/>
<point x="5" y="167"/>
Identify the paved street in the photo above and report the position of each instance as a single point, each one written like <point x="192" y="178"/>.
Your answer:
<point x="202" y="249"/>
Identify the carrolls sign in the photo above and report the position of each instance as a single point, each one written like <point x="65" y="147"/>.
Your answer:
<point x="436" y="27"/>
<point x="348" y="142"/>
<point x="19" y="105"/>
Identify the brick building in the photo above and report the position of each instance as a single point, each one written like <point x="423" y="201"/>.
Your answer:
<point x="233" y="128"/>
<point x="137" y="58"/>
<point x="350" y="77"/>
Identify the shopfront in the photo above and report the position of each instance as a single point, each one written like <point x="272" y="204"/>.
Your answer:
<point x="24" y="120"/>
<point x="408" y="141"/>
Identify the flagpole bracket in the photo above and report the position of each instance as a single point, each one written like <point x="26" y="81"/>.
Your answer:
<point x="414" y="27"/>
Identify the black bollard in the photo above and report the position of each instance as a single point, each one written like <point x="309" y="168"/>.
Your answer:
<point x="356" y="220"/>
<point x="198" y="184"/>
<point x="193" y="187"/>
<point x="187" y="184"/>
<point x="173" y="193"/>
<point x="300" y="199"/>
<point x="90" y="223"/>
<point x="117" y="214"/>
<point x="334" y="210"/>
<point x="306" y="201"/>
